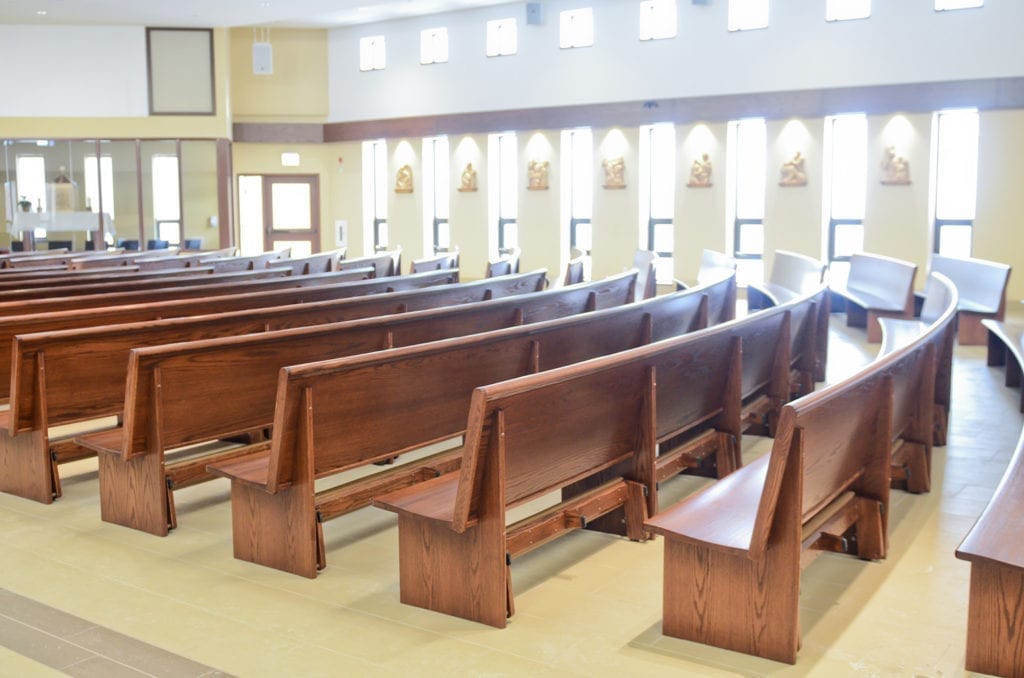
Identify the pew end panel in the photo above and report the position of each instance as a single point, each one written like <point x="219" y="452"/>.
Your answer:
<point x="734" y="551"/>
<point x="523" y="443"/>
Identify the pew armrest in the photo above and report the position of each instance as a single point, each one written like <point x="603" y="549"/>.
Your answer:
<point x="433" y="499"/>
<point x="722" y="515"/>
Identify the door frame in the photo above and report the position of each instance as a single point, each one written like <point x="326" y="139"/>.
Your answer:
<point x="269" y="232"/>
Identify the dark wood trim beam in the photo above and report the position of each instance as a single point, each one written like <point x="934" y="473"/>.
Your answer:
<point x="278" y="133"/>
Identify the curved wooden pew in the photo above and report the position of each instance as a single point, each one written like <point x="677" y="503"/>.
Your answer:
<point x="877" y="286"/>
<point x="16" y="281"/>
<point x="995" y="551"/>
<point x="1007" y="339"/>
<point x="981" y="286"/>
<point x="160" y="281"/>
<point x="276" y="512"/>
<point x="75" y="375"/>
<point x="734" y="551"/>
<point x="521" y="442"/>
<point x="12" y="326"/>
<point x="792" y="275"/>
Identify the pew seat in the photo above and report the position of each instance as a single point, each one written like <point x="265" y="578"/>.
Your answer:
<point x="981" y="286"/>
<point x="792" y="275"/>
<point x="1005" y="341"/>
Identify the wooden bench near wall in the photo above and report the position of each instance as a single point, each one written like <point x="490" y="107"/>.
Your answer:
<point x="877" y="287"/>
<point x="66" y="376"/>
<point x="792" y="275"/>
<point x="734" y="551"/>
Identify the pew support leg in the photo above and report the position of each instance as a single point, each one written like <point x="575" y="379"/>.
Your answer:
<point x="995" y="644"/>
<point x="278" y="530"/>
<point x="27" y="468"/>
<point x="463" y="575"/>
<point x="134" y="492"/>
<point x="732" y="601"/>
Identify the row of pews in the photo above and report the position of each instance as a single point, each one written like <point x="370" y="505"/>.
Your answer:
<point x="578" y="392"/>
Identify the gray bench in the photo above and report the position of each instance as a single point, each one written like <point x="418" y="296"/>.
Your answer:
<point x="877" y="286"/>
<point x="982" y="288"/>
<point x="792" y="276"/>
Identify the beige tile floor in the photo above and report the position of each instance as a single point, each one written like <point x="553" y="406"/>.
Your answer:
<point x="587" y="604"/>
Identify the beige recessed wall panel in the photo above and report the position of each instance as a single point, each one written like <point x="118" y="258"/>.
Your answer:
<point x="296" y="91"/>
<point x="700" y="219"/>
<point x="468" y="210"/>
<point x="180" y="71"/>
<point x="405" y="210"/>
<point x="616" y="211"/>
<point x="999" y="223"/>
<point x="793" y="214"/>
<point x="539" y="223"/>
<point x="896" y="219"/>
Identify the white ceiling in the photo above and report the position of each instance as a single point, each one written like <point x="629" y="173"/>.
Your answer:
<point x="223" y="13"/>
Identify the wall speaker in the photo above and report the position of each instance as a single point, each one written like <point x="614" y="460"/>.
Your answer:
<point x="702" y="2"/>
<point x="262" y="58"/>
<point x="534" y="14"/>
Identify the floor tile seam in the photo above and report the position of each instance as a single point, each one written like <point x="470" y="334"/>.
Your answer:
<point x="45" y="661"/>
<point x="110" y="659"/>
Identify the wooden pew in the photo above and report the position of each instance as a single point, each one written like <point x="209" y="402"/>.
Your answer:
<point x="414" y="291"/>
<point x="76" y="278"/>
<point x="995" y="550"/>
<point x="981" y="286"/>
<point x="436" y="262"/>
<point x="716" y="266"/>
<point x="645" y="262"/>
<point x="792" y="276"/>
<point x="1006" y="339"/>
<point x="162" y="281"/>
<point x="454" y="546"/>
<point x="324" y="262"/>
<point x="87" y="367"/>
<point x="505" y="264"/>
<point x="387" y="264"/>
<point x="182" y="261"/>
<point x="877" y="287"/>
<point x="276" y="512"/>
<point x="266" y="279"/>
<point x="58" y="258"/>
<point x="734" y="551"/>
<point x="258" y="261"/>
<point x="85" y="260"/>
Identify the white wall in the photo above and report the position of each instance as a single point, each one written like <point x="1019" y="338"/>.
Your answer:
<point x="904" y="41"/>
<point x="73" y="71"/>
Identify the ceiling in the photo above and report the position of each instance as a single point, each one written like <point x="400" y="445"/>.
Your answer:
<point x="223" y="13"/>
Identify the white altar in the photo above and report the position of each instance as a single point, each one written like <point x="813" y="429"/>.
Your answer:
<point x="59" y="221"/>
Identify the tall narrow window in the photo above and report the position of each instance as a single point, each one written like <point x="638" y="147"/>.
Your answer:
<point x="846" y="171"/>
<point x="657" y="190"/>
<point x="748" y="145"/>
<point x="99" y="178"/>
<point x="843" y="10"/>
<point x="502" y="37"/>
<point x="956" y="181"/>
<point x="436" y="186"/>
<point x="578" y="161"/>
<point x="746" y="15"/>
<point x="167" y="198"/>
<point x="31" y="178"/>
<point x="503" y="158"/>
<point x="957" y="4"/>
<point x="375" y="193"/>
<point x="372" y="54"/>
<point x="434" y="46"/>
<point x="576" y="28"/>
<point x="658" y="19"/>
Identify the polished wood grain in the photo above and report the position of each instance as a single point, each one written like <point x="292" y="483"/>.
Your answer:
<point x="981" y="286"/>
<point x="385" y="263"/>
<point x="734" y="550"/>
<point x="995" y="616"/>
<point x="362" y="403"/>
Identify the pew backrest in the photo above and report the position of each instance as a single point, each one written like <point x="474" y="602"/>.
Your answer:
<point x="386" y="264"/>
<point x="325" y="262"/>
<point x="258" y="261"/>
<point x="796" y="272"/>
<point x="436" y="263"/>
<point x="980" y="284"/>
<point x="885" y="283"/>
<point x="714" y="266"/>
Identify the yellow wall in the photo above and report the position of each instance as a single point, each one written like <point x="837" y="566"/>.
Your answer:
<point x="468" y="215"/>
<point x="296" y="91"/>
<point x="998" y="234"/>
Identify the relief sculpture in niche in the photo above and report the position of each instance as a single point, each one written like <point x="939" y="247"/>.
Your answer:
<point x="403" y="179"/>
<point x="467" y="184"/>
<point x="793" y="172"/>
<point x="895" y="167"/>
<point x="700" y="173"/>
<point x="614" y="172"/>
<point x="537" y="175"/>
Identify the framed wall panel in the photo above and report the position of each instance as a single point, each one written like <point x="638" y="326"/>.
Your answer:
<point x="180" y="68"/>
